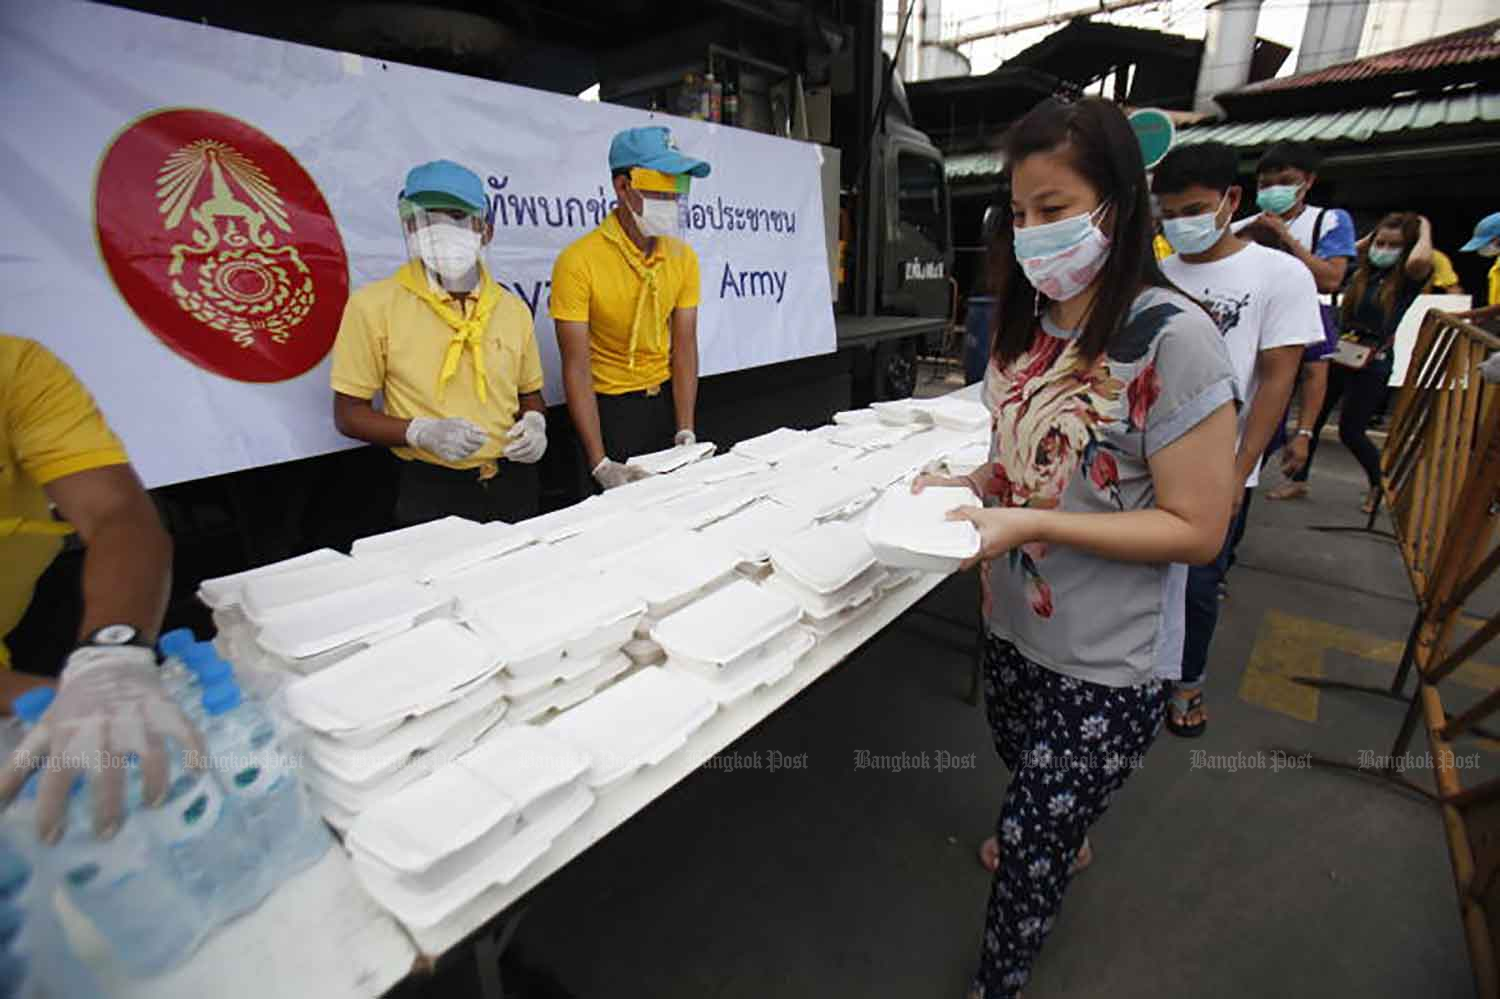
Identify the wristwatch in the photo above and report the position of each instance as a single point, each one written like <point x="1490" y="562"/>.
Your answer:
<point x="112" y="635"/>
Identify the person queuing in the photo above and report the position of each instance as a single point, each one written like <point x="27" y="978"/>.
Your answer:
<point x="625" y="303"/>
<point x="454" y="355"/>
<point x="1265" y="305"/>
<point x="1394" y="265"/>
<point x="1113" y="400"/>
<point x="1486" y="243"/>
<point x="57" y="450"/>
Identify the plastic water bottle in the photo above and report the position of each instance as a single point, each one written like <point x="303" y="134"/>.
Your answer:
<point x="205" y="839"/>
<point x="176" y="677"/>
<point x="257" y="773"/>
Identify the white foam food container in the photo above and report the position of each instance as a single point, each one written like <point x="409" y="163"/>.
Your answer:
<point x="643" y="493"/>
<point x="531" y="631"/>
<point x="264" y="598"/>
<point x="771" y="664"/>
<point x="381" y="608"/>
<point x="415" y="672"/>
<point x="823" y="494"/>
<point x="725" y="625"/>
<point x="855" y="417"/>
<point x="817" y="454"/>
<point x="770" y="447"/>
<point x="497" y="858"/>
<point x="819" y="606"/>
<point x="525" y="763"/>
<point x="623" y="533"/>
<point x="672" y="571"/>
<point x="899" y="412"/>
<point x="638" y="722"/>
<point x="491" y="541"/>
<point x="957" y="414"/>
<point x="560" y="696"/>
<point x="825" y="558"/>
<point x="822" y="627"/>
<point x="710" y="503"/>
<point x="570" y="520"/>
<point x="224" y="592"/>
<point x="752" y="531"/>
<point x="363" y="765"/>
<point x="912" y="531"/>
<point x="570" y="668"/>
<point x="416" y="535"/>
<point x="524" y="569"/>
<point x="869" y="436"/>
<point x="431" y="819"/>
<point x="722" y="468"/>
<point x="671" y="459"/>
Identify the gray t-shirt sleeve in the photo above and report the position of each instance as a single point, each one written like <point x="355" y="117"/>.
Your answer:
<point x="1188" y="379"/>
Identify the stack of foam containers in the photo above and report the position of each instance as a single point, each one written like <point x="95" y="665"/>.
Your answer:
<point x="392" y="713"/>
<point x="224" y="597"/>
<point x="441" y="547"/>
<point x="559" y="643"/>
<point x="672" y="459"/>
<point x="678" y="568"/>
<point x="772" y="447"/>
<point x="737" y="639"/>
<point x="636" y="723"/>
<point x="831" y="574"/>
<point x="752" y="531"/>
<point x="477" y="822"/>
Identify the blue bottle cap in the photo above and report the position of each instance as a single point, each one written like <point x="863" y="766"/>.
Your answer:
<point x="215" y="671"/>
<point x="30" y="706"/>
<point x="221" y="697"/>
<point x="175" y="642"/>
<point x="199" y="653"/>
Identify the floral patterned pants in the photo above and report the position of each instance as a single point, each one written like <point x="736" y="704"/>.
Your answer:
<point x="1069" y="745"/>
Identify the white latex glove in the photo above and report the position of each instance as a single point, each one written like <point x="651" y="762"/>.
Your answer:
<point x="110" y="704"/>
<point x="528" y="438"/>
<point x="1490" y="369"/>
<point x="450" y="440"/>
<point x="610" y="474"/>
<point x="685" y="438"/>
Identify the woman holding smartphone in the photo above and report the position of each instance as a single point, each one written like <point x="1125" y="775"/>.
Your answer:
<point x="1112" y="467"/>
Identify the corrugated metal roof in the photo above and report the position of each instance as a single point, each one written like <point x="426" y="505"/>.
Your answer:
<point x="970" y="166"/>
<point x="1463" y="107"/>
<point x="1472" y="45"/>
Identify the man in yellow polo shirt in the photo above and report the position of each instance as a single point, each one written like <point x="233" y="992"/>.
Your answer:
<point x="1486" y="243"/>
<point x="56" y="450"/>
<point x="454" y="355"/>
<point x="625" y="303"/>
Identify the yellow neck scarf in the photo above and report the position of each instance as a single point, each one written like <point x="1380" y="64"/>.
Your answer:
<point x="648" y="303"/>
<point x="466" y="331"/>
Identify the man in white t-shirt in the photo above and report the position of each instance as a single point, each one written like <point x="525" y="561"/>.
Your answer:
<point x="1265" y="304"/>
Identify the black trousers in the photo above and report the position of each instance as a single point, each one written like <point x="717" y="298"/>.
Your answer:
<point x="632" y="423"/>
<point x="1361" y="392"/>
<point x="426" y="492"/>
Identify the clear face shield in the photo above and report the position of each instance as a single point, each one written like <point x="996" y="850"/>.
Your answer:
<point x="447" y="242"/>
<point x="658" y="203"/>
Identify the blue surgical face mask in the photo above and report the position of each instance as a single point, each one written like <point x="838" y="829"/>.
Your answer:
<point x="1053" y="238"/>
<point x="1384" y="256"/>
<point x="1195" y="233"/>
<point x="1277" y="199"/>
<point x="1061" y="259"/>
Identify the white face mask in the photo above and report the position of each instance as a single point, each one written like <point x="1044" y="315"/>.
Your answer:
<point x="449" y="251"/>
<point x="657" y="217"/>
<point x="1061" y="259"/>
<point x="1490" y="249"/>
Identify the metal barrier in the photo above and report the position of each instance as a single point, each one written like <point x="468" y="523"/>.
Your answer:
<point x="1441" y="485"/>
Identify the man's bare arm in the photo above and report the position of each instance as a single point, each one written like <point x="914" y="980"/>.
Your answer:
<point x="685" y="366"/>
<point x="358" y="418"/>
<point x="578" y="383"/>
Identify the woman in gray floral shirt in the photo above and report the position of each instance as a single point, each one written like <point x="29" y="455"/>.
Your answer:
<point x="1112" y="468"/>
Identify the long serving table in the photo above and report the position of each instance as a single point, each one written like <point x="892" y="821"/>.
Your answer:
<point x="320" y="934"/>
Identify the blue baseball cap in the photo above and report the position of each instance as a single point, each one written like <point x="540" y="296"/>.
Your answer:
<point x="652" y="148"/>
<point x="1486" y="232"/>
<point x="445" y="184"/>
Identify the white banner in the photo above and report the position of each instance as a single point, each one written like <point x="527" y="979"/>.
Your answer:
<point x="185" y="215"/>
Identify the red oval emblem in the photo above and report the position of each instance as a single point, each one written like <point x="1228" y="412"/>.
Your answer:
<point x="222" y="244"/>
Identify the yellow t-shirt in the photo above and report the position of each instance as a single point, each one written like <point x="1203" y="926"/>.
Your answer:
<point x="392" y="341"/>
<point x="49" y="428"/>
<point x="594" y="283"/>
<point x="1494" y="283"/>
<point x="1443" y="274"/>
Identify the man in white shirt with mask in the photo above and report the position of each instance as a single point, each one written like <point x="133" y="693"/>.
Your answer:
<point x="454" y="356"/>
<point x="1265" y="304"/>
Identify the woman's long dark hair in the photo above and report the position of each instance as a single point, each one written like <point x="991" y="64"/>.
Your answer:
<point x="1103" y="149"/>
<point x="1395" y="278"/>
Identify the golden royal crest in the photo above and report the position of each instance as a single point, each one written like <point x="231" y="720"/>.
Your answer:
<point x="235" y="275"/>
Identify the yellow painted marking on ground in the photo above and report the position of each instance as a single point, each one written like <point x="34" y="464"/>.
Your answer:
<point x="1288" y="646"/>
